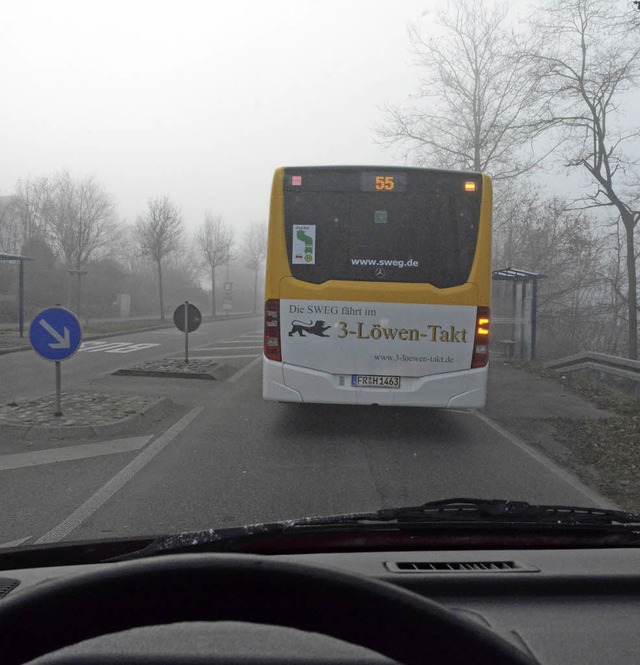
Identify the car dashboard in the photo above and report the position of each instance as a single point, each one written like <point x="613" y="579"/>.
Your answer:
<point x="552" y="606"/>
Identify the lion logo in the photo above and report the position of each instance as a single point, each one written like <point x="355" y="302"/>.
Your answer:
<point x="300" y="327"/>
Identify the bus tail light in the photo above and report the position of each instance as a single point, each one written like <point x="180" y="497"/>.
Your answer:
<point x="481" y="340"/>
<point x="272" y="330"/>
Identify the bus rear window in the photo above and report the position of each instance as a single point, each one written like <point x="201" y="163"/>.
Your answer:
<point x="381" y="225"/>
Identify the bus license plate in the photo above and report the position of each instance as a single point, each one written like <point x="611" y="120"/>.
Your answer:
<point x="373" y="381"/>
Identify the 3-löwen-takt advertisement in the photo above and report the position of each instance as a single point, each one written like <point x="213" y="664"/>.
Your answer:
<point x="377" y="338"/>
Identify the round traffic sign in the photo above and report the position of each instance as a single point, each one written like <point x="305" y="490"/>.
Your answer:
<point x="55" y="333"/>
<point x="194" y="318"/>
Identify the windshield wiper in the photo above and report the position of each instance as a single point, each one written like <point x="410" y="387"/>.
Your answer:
<point x="458" y="513"/>
<point x="497" y="511"/>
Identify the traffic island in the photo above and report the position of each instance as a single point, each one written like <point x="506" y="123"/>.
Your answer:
<point x="83" y="415"/>
<point x="177" y="368"/>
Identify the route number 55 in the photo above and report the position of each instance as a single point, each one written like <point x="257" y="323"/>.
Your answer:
<point x="384" y="182"/>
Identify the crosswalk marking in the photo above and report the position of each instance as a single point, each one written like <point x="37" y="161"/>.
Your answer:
<point x="115" y="347"/>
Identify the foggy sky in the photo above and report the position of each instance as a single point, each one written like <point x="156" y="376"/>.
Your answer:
<point x="198" y="100"/>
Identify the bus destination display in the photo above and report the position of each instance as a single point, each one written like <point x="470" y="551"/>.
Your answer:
<point x="371" y="181"/>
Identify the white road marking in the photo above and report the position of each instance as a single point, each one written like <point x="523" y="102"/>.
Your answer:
<point x="250" y="355"/>
<point x="234" y="377"/>
<point x="229" y="348"/>
<point x="598" y="500"/>
<point x="131" y="347"/>
<point x="118" y="481"/>
<point x="69" y="453"/>
<point x="98" y="346"/>
<point x="15" y="543"/>
<point x="115" y="347"/>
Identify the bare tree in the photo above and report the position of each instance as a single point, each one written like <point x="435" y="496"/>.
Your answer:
<point x="588" y="59"/>
<point x="7" y="227"/>
<point x="184" y="262"/>
<point x="29" y="210"/>
<point x="615" y="275"/>
<point x="127" y="252"/>
<point x="575" y="307"/>
<point x="254" y="250"/>
<point x="79" y="222"/>
<point x="80" y="219"/>
<point x="477" y="93"/>
<point x="214" y="240"/>
<point x="159" y="233"/>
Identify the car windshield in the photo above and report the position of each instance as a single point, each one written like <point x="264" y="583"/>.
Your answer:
<point x="275" y="261"/>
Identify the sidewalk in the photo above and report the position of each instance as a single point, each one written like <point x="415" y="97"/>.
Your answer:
<point x="527" y="405"/>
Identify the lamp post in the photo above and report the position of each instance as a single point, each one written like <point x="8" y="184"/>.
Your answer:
<point x="80" y="274"/>
<point x="226" y="305"/>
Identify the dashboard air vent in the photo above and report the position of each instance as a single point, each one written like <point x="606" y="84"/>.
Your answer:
<point x="459" y="567"/>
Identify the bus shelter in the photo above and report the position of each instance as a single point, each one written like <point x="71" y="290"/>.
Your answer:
<point x="20" y="260"/>
<point x="514" y="304"/>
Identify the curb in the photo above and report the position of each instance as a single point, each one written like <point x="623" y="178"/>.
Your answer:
<point x="218" y="372"/>
<point x="13" y="349"/>
<point x="160" y="408"/>
<point x="159" y="374"/>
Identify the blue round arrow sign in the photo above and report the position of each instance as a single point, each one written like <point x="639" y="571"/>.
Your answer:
<point x="55" y="333"/>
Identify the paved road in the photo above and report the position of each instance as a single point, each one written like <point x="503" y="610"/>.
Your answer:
<point x="226" y="457"/>
<point x="32" y="376"/>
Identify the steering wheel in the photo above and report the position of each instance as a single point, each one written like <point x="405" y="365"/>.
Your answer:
<point x="220" y="587"/>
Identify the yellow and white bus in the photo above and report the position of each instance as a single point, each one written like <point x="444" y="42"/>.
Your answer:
<point x="378" y="286"/>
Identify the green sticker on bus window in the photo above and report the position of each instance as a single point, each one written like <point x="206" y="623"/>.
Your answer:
<point x="381" y="217"/>
<point x="304" y="244"/>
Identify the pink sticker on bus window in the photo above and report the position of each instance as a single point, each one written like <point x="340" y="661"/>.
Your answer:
<point x="296" y="180"/>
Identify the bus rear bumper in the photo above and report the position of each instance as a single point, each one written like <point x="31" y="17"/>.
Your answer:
<point x="273" y="385"/>
<point x="454" y="390"/>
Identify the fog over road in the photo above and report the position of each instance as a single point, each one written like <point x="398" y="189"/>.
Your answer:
<point x="225" y="457"/>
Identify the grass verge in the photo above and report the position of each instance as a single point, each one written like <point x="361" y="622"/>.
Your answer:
<point x="604" y="453"/>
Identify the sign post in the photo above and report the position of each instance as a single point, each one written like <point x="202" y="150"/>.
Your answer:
<point x="55" y="334"/>
<point x="187" y="318"/>
<point x="58" y="411"/>
<point x="228" y="295"/>
<point x="186" y="332"/>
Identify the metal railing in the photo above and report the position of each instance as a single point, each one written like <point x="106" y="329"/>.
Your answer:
<point x="599" y="364"/>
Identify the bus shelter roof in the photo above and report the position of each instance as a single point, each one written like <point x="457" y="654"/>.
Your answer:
<point x="517" y="274"/>
<point x="14" y="257"/>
